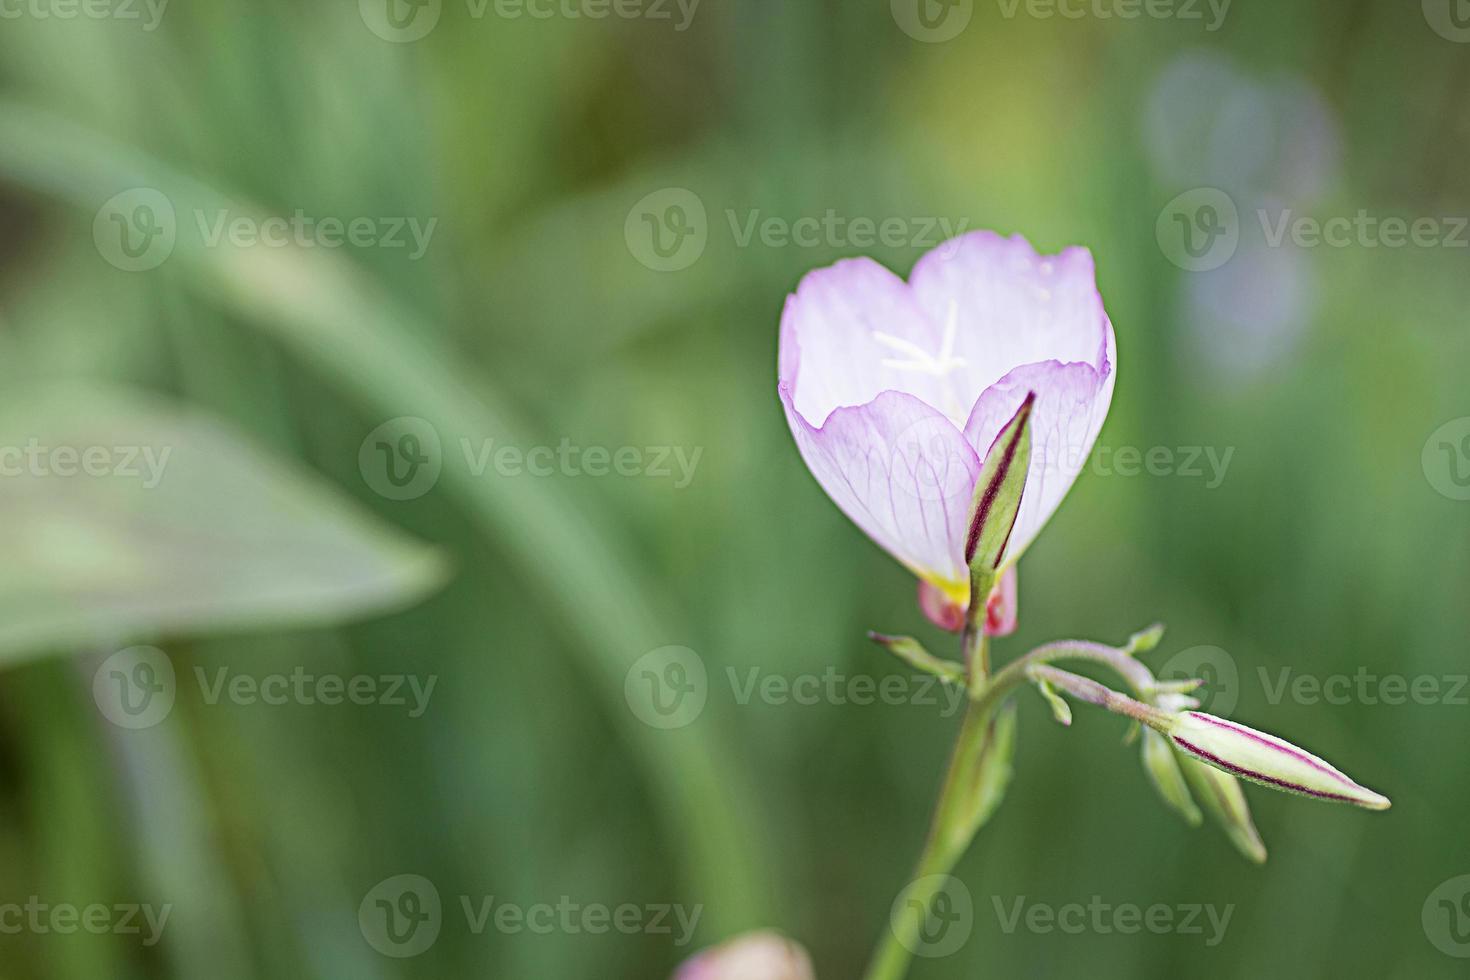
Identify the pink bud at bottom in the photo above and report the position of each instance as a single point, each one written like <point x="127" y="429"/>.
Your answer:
<point x="753" y="956"/>
<point x="947" y="611"/>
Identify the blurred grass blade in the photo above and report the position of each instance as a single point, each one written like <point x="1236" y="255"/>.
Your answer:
<point x="127" y="518"/>
<point x="357" y="335"/>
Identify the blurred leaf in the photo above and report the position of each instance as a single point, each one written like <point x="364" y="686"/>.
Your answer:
<point x="327" y="313"/>
<point x="127" y="518"/>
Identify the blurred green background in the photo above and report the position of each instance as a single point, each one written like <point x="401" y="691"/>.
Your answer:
<point x="546" y="151"/>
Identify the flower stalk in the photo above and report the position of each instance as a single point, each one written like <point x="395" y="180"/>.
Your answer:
<point x="921" y="408"/>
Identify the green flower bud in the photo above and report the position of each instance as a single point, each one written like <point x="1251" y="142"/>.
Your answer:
<point x="1161" y="763"/>
<point x="1220" y="793"/>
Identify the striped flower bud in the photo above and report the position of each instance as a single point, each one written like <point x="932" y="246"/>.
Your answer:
<point x="1264" y="759"/>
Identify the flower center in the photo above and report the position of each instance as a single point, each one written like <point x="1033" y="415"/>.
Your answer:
<point x="939" y="365"/>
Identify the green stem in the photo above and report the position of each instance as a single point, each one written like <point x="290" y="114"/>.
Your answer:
<point x="949" y="838"/>
<point x="953" y="828"/>
<point x="956" y="814"/>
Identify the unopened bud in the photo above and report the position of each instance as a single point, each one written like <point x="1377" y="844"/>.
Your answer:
<point x="1265" y="759"/>
<point x="1220" y="793"/>
<point x="945" y="607"/>
<point x="753" y="956"/>
<point x="1161" y="763"/>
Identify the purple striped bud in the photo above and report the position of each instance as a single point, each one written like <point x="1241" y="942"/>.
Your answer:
<point x="1265" y="759"/>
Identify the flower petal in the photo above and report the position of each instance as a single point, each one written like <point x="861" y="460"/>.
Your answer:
<point x="902" y="472"/>
<point x="982" y="319"/>
<point x="1002" y="608"/>
<point x="854" y="330"/>
<point x="1013" y="306"/>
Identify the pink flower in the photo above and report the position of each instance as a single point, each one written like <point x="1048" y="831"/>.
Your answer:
<point x="896" y="390"/>
<point x="753" y="956"/>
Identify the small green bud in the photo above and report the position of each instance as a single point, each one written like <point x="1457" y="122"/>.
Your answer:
<point x="1060" y="710"/>
<point x="1145" y="640"/>
<point x="912" y="652"/>
<point x="1220" y="793"/>
<point x="1161" y="763"/>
